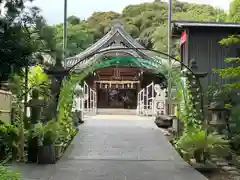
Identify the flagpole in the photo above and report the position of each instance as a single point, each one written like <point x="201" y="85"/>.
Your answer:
<point x="169" y="59"/>
<point x="64" y="32"/>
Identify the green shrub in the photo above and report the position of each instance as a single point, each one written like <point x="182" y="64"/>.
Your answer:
<point x="9" y="137"/>
<point x="46" y="133"/>
<point x="197" y="144"/>
<point x="6" y="174"/>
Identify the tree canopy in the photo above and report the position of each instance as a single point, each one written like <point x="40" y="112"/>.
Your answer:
<point x="234" y="11"/>
<point x="24" y="33"/>
<point x="232" y="72"/>
<point x="146" y="22"/>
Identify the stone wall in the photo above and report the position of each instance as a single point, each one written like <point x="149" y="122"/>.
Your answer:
<point x="5" y="106"/>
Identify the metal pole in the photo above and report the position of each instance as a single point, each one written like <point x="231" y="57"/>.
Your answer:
<point x="64" y="32"/>
<point x="169" y="58"/>
<point x="26" y="92"/>
<point x="153" y="99"/>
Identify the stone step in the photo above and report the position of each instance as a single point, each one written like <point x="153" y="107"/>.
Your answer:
<point x="116" y="111"/>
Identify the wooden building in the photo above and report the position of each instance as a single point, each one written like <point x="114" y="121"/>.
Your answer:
<point x="117" y="85"/>
<point x="200" y="41"/>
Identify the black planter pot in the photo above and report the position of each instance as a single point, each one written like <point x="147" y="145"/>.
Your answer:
<point x="46" y="154"/>
<point x="2" y="152"/>
<point x="32" y="150"/>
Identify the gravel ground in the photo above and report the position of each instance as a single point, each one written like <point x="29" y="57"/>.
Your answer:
<point x="219" y="175"/>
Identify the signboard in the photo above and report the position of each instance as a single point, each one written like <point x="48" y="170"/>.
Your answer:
<point x="159" y="100"/>
<point x="160" y="105"/>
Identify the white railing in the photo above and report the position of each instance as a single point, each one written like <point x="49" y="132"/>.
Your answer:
<point x="141" y="102"/>
<point x="150" y="99"/>
<point x="93" y="101"/>
<point x="145" y="102"/>
<point x="82" y="107"/>
<point x="90" y="99"/>
<point x="86" y="95"/>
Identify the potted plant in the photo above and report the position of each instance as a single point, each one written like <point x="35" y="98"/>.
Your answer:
<point x="32" y="147"/>
<point x="46" y="134"/>
<point x="9" y="138"/>
<point x="3" y="147"/>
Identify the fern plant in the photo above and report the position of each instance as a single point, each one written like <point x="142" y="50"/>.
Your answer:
<point x="46" y="133"/>
<point x="197" y="144"/>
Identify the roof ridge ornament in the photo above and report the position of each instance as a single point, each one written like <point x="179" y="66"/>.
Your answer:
<point x="117" y="24"/>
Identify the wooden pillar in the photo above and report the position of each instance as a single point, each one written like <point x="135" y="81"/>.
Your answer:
<point x="96" y="90"/>
<point x="139" y="87"/>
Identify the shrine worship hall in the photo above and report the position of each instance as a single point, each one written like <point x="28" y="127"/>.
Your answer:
<point x="125" y="77"/>
<point x="118" y="86"/>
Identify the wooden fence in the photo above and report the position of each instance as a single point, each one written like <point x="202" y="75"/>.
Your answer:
<point x="5" y="106"/>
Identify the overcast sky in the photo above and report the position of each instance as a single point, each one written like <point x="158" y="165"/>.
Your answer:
<point x="53" y="9"/>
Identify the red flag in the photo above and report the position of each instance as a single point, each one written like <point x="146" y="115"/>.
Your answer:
<point x="183" y="37"/>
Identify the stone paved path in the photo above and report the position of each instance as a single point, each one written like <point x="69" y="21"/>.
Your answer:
<point x="116" y="150"/>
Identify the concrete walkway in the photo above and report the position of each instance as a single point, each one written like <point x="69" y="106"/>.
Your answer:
<point x="116" y="150"/>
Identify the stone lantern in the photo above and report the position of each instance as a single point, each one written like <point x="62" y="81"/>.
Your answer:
<point x="218" y="110"/>
<point x="36" y="107"/>
<point x="56" y="73"/>
<point x="185" y="72"/>
<point x="78" y="91"/>
<point x="78" y="104"/>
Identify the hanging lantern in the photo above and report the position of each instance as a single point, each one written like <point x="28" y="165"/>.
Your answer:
<point x="128" y="85"/>
<point x="105" y="86"/>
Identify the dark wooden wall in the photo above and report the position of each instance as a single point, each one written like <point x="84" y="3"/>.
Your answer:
<point x="204" y="47"/>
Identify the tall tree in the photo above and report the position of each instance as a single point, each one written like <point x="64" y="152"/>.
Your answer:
<point x="21" y="37"/>
<point x="78" y="38"/>
<point x="101" y="21"/>
<point x="146" y="22"/>
<point x="232" y="73"/>
<point x="73" y="20"/>
<point x="234" y="11"/>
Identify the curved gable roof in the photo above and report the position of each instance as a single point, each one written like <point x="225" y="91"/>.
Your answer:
<point x="116" y="28"/>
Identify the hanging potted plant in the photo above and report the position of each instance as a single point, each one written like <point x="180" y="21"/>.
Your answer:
<point x="46" y="134"/>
